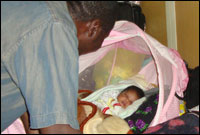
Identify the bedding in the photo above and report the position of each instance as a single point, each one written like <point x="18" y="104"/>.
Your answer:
<point x="140" y="120"/>
<point x="138" y="115"/>
<point x="186" y="124"/>
<point x="93" y="121"/>
<point x="106" y="97"/>
<point x="16" y="127"/>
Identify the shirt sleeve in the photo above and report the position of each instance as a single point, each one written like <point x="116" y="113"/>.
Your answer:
<point x="46" y="65"/>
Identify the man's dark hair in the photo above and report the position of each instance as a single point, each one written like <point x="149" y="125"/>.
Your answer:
<point x="105" y="11"/>
<point x="139" y="91"/>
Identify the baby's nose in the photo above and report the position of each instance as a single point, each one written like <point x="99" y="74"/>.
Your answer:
<point x="126" y="103"/>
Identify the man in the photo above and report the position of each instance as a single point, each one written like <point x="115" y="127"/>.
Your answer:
<point x="40" y="45"/>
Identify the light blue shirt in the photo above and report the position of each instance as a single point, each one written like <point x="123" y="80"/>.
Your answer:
<point x="39" y="63"/>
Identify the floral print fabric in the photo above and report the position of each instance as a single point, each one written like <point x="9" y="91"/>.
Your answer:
<point x="140" y="120"/>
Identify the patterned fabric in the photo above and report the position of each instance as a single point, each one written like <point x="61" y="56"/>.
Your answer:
<point x="141" y="119"/>
<point x="185" y="124"/>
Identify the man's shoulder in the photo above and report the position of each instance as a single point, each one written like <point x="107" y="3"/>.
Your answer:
<point x="20" y="19"/>
<point x="59" y="12"/>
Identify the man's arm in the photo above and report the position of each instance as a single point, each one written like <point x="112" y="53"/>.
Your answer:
<point x="60" y="129"/>
<point x="55" y="129"/>
<point x="25" y="121"/>
<point x="49" y="81"/>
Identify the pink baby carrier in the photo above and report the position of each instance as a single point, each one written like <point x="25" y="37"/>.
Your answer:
<point x="166" y="68"/>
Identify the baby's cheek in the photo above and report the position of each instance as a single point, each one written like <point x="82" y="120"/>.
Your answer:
<point x="130" y="102"/>
<point x="120" y="99"/>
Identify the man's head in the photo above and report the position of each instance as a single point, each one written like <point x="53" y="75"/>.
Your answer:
<point x="94" y="21"/>
<point x="129" y="95"/>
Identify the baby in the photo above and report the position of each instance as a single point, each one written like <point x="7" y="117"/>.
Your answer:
<point x="114" y="102"/>
<point x="129" y="95"/>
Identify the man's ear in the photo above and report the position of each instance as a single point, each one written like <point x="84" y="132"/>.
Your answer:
<point x="94" y="29"/>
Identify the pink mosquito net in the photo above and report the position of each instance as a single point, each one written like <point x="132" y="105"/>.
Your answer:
<point x="123" y="54"/>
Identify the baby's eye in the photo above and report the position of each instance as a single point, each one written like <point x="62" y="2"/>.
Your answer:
<point x="130" y="99"/>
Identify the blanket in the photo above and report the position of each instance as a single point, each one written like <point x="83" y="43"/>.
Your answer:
<point x="98" y="122"/>
<point x="140" y="120"/>
<point x="106" y="97"/>
<point x="188" y="123"/>
<point x="93" y="121"/>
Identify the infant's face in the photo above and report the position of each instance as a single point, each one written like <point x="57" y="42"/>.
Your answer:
<point x="127" y="98"/>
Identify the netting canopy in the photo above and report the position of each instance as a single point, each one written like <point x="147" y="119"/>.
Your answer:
<point x="129" y="51"/>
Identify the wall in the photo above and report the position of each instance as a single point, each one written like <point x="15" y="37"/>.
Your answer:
<point x="187" y="23"/>
<point x="154" y="12"/>
<point x="187" y="26"/>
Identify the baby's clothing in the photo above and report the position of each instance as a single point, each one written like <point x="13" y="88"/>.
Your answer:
<point x="106" y="97"/>
<point x="109" y="105"/>
<point x="108" y="102"/>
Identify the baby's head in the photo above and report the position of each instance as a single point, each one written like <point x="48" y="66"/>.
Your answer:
<point x="129" y="95"/>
